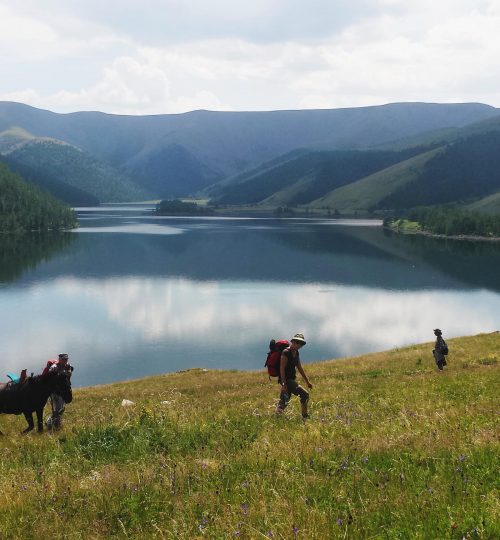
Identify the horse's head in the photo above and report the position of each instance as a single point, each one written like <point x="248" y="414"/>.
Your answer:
<point x="61" y="382"/>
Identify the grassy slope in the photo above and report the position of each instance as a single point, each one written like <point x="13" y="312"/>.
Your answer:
<point x="393" y="450"/>
<point x="367" y="192"/>
<point x="487" y="205"/>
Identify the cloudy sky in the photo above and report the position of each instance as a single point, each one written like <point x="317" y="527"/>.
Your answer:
<point x="171" y="56"/>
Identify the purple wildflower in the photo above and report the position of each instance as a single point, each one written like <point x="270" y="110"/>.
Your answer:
<point x="339" y="521"/>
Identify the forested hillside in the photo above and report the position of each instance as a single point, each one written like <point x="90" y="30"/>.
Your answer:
<point x="24" y="207"/>
<point x="44" y="180"/>
<point x="53" y="165"/>
<point x="308" y="176"/>
<point x="466" y="170"/>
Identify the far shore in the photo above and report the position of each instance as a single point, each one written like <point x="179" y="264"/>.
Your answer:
<point x="470" y="238"/>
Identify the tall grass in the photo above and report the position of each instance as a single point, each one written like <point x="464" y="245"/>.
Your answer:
<point x="393" y="449"/>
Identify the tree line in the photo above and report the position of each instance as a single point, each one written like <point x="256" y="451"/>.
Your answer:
<point x="24" y="207"/>
<point x="178" y="207"/>
<point x="451" y="221"/>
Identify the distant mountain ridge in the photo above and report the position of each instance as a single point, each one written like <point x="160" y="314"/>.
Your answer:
<point x="175" y="155"/>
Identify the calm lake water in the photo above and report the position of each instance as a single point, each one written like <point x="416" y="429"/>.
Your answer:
<point x="130" y="295"/>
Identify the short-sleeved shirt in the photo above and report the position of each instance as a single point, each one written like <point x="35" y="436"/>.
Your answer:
<point x="291" y="365"/>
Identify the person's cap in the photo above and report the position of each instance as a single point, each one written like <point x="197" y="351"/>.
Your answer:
<point x="437" y="331"/>
<point x="63" y="356"/>
<point x="299" y="338"/>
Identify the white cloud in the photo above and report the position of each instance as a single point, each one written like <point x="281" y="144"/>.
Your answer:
<point x="257" y="56"/>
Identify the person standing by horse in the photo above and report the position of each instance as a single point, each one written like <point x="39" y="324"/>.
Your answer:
<point x="289" y="363"/>
<point x="61" y="365"/>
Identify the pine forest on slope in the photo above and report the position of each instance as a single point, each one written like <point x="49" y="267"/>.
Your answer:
<point x="24" y="207"/>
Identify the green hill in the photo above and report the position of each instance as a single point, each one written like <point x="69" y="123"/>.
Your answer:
<point x="466" y="170"/>
<point x="65" y="171"/>
<point x="392" y="449"/>
<point x="367" y="193"/>
<point x="458" y="172"/>
<point x="302" y="177"/>
<point x="24" y="207"/>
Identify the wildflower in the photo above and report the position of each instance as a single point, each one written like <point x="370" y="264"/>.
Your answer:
<point x="295" y="531"/>
<point x="365" y="460"/>
<point x="244" y="485"/>
<point x="236" y="533"/>
<point x="320" y="450"/>
<point x="339" y="522"/>
<point x="244" y="509"/>
<point x="269" y="534"/>
<point x="462" y="458"/>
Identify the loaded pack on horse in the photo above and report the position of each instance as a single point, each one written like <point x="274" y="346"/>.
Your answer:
<point x="31" y="396"/>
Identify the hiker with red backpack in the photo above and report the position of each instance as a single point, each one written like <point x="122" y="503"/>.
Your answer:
<point x="286" y="371"/>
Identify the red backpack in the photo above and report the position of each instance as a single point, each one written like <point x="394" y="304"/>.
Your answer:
<point x="274" y="356"/>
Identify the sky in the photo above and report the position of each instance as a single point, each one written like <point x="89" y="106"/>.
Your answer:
<point x="174" y="56"/>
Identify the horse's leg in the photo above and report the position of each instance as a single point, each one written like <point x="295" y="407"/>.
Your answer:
<point x="29" y="419"/>
<point x="39" y="420"/>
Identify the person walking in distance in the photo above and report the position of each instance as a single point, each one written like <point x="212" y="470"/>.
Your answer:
<point x="289" y="364"/>
<point x="440" y="349"/>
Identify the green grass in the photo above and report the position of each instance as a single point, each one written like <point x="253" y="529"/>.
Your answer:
<point x="393" y="449"/>
<point x="405" y="225"/>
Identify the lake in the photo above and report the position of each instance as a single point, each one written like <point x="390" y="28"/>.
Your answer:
<point x="130" y="294"/>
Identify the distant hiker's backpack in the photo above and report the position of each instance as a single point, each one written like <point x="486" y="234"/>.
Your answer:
<point x="444" y="348"/>
<point x="274" y="356"/>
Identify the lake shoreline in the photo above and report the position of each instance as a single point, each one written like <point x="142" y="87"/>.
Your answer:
<point x="263" y="372"/>
<point x="470" y="238"/>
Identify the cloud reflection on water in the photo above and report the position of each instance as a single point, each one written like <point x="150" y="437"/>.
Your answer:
<point x="121" y="317"/>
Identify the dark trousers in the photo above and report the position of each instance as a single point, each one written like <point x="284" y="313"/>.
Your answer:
<point x="439" y="358"/>
<point x="293" y="388"/>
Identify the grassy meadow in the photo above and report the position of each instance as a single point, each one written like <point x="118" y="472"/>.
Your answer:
<point x="393" y="449"/>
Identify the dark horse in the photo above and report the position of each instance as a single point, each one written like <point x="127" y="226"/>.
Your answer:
<point x="32" y="395"/>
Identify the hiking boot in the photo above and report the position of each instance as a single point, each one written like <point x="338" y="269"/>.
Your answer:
<point x="279" y="411"/>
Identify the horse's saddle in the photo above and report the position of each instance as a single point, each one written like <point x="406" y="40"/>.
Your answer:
<point x="17" y="379"/>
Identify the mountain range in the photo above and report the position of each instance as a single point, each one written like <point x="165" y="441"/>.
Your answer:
<point x="365" y="158"/>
